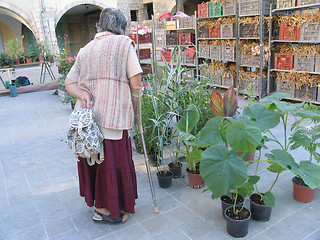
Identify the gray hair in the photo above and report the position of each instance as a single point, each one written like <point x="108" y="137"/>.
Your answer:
<point x="112" y="20"/>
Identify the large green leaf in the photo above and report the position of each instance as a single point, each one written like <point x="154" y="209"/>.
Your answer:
<point x="222" y="170"/>
<point x="184" y="136"/>
<point x="288" y="107"/>
<point x="194" y="156"/>
<point x="283" y="158"/>
<point x="269" y="199"/>
<point x="309" y="172"/>
<point x="262" y="117"/>
<point x="216" y="104"/>
<point x="230" y="102"/>
<point x="275" y="97"/>
<point x="211" y="132"/>
<point x="308" y="114"/>
<point x="243" y="137"/>
<point x="189" y="120"/>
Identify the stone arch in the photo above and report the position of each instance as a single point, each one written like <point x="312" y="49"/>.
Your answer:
<point x="20" y="15"/>
<point x="75" y="3"/>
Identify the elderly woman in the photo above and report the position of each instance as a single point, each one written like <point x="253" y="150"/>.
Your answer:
<point x="105" y="77"/>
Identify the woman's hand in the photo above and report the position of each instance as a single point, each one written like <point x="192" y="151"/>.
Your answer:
<point x="86" y="101"/>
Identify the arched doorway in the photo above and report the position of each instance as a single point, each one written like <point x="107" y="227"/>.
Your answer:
<point x="14" y="28"/>
<point x="77" y="27"/>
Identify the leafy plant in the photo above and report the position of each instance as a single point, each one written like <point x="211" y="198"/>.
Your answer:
<point x="14" y="48"/>
<point x="225" y="106"/>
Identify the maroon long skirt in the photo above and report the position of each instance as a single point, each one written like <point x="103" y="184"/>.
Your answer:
<point x="111" y="184"/>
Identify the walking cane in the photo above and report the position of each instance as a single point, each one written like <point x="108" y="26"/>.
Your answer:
<point x="146" y="160"/>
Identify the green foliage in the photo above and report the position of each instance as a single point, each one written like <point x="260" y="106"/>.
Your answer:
<point x="14" y="48"/>
<point x="6" y="60"/>
<point x="225" y="106"/>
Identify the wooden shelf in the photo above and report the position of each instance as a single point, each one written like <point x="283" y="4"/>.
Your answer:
<point x="280" y="70"/>
<point x="291" y="41"/>
<point x="297" y="7"/>
<point x="216" y="39"/>
<point x="203" y="18"/>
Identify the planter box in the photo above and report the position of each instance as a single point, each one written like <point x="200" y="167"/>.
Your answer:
<point x="172" y="39"/>
<point x="203" y="31"/>
<point x="203" y="10"/>
<point x="229" y="7"/>
<point x="215" y="9"/>
<point x="288" y="31"/>
<point x="252" y="30"/>
<point x="144" y="53"/>
<point x="304" y="63"/>
<point x="310" y="32"/>
<point x="214" y="31"/>
<point x="306" y="93"/>
<point x="171" y="25"/>
<point x="286" y="3"/>
<point x="227" y="30"/>
<point x="186" y="38"/>
<point x="283" y="61"/>
<point x="215" y="52"/>
<point x="204" y="51"/>
<point x="146" y="38"/>
<point x="228" y="53"/>
<point x="252" y="7"/>
<point x="286" y="86"/>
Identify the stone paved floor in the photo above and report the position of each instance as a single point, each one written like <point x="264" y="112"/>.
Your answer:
<point x="40" y="200"/>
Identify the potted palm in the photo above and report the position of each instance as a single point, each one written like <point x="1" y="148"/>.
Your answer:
<point x="306" y="135"/>
<point x="15" y="49"/>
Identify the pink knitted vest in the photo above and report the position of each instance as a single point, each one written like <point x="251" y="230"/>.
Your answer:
<point x="103" y="64"/>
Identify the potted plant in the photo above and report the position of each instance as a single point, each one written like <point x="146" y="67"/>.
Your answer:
<point x="187" y="127"/>
<point x="15" y="49"/>
<point x="306" y="135"/>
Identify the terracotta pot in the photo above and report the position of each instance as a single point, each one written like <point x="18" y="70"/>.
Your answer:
<point x="195" y="179"/>
<point x="250" y="156"/>
<point x="302" y="193"/>
<point x="17" y="61"/>
<point x="28" y="60"/>
<point x="41" y="59"/>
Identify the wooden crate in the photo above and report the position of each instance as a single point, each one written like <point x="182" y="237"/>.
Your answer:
<point x="186" y="59"/>
<point x="252" y="30"/>
<point x="306" y="2"/>
<point x="186" y="22"/>
<point x="203" y="10"/>
<point x="208" y="76"/>
<point x="229" y="7"/>
<point x="186" y="38"/>
<point x="317" y="63"/>
<point x="144" y="53"/>
<point x="214" y="30"/>
<point x="252" y="7"/>
<point x="145" y="38"/>
<point x="215" y="52"/>
<point x="160" y="38"/>
<point x="289" y="31"/>
<point x="203" y="31"/>
<point x="146" y="69"/>
<point x="172" y="39"/>
<point x="215" y="9"/>
<point x="204" y="51"/>
<point x="227" y="30"/>
<point x="286" y="3"/>
<point x="285" y="85"/>
<point x="304" y="62"/>
<point x="306" y="93"/>
<point x="255" y="85"/>
<point x="227" y="79"/>
<point x="310" y="32"/>
<point x="283" y="61"/>
<point x="171" y="25"/>
<point x="228" y="53"/>
<point x="166" y="55"/>
<point x="249" y="59"/>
